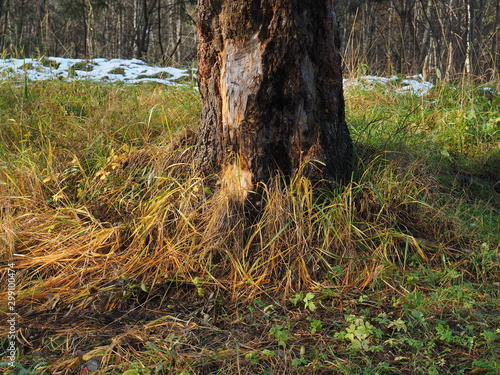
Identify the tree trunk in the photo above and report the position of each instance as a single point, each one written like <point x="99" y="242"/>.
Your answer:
<point x="270" y="78"/>
<point x="89" y="30"/>
<point x="469" y="39"/>
<point x="495" y="63"/>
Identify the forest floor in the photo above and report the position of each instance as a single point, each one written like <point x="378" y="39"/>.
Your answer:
<point x="118" y="258"/>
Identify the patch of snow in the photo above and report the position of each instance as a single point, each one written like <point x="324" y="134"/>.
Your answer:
<point x="411" y="84"/>
<point x="489" y="91"/>
<point x="132" y="70"/>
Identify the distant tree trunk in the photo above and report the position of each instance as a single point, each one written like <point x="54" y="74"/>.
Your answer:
<point x="143" y="24"/>
<point x="89" y="30"/>
<point x="159" y="19"/>
<point x="270" y="78"/>
<point x="424" y="50"/>
<point x="495" y="61"/>
<point x="4" y="14"/>
<point x="469" y="39"/>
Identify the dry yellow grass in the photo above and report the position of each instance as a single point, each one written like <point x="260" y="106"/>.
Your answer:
<point x="147" y="216"/>
<point x="114" y="235"/>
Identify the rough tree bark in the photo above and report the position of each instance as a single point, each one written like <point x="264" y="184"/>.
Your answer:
<point x="270" y="78"/>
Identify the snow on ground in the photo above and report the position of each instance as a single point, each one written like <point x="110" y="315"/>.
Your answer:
<point x="131" y="71"/>
<point x="134" y="70"/>
<point x="413" y="84"/>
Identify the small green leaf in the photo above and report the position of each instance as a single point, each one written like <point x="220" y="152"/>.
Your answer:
<point x="295" y="300"/>
<point x="315" y="326"/>
<point x="131" y="372"/>
<point x="252" y="357"/>
<point x="298" y="362"/>
<point x="398" y="325"/>
<point x="268" y="352"/>
<point x="308" y="304"/>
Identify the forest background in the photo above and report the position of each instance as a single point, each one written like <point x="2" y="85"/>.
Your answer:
<point x="445" y="39"/>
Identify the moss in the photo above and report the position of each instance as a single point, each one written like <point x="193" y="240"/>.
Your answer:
<point x="50" y="63"/>
<point x="159" y="75"/>
<point x="119" y="70"/>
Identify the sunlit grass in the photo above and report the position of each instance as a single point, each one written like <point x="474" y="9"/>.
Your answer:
<point x="103" y="213"/>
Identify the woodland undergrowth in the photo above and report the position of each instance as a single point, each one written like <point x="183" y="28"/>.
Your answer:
<point x="108" y="223"/>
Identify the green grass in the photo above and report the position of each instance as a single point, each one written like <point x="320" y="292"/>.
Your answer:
<point x="128" y="263"/>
